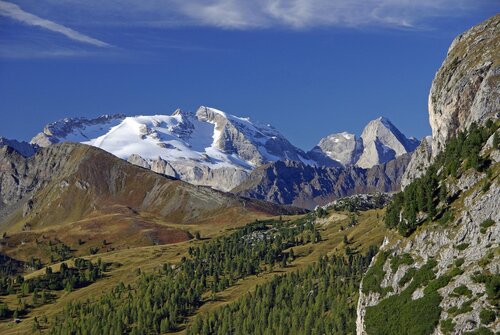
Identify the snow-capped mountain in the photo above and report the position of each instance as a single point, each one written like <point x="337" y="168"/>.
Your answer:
<point x="208" y="147"/>
<point x="220" y="150"/>
<point x="379" y="143"/>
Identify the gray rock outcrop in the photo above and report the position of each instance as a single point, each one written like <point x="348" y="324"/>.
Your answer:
<point x="420" y="161"/>
<point x="466" y="88"/>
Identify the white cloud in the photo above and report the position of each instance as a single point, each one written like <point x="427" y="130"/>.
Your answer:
<point x="259" y="14"/>
<point x="15" y="12"/>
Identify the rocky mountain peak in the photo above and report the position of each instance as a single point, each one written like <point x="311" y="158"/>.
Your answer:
<point x="380" y="142"/>
<point x="385" y="132"/>
<point x="181" y="112"/>
<point x="213" y="148"/>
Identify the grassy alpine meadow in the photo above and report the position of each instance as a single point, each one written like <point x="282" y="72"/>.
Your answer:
<point x="185" y="281"/>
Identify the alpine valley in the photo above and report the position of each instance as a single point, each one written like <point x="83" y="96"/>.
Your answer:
<point x="210" y="223"/>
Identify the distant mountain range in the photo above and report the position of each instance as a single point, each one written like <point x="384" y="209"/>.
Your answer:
<point x="208" y="147"/>
<point x="220" y="150"/>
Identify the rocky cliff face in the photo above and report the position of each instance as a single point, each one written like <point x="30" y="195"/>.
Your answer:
<point x="466" y="88"/>
<point x="446" y="274"/>
<point x="222" y="178"/>
<point x="307" y="186"/>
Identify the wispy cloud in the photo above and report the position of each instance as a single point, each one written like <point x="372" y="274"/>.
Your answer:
<point x="262" y="14"/>
<point x="304" y="14"/>
<point x="15" y="12"/>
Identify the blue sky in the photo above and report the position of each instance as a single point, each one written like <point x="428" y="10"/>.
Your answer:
<point x="309" y="67"/>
